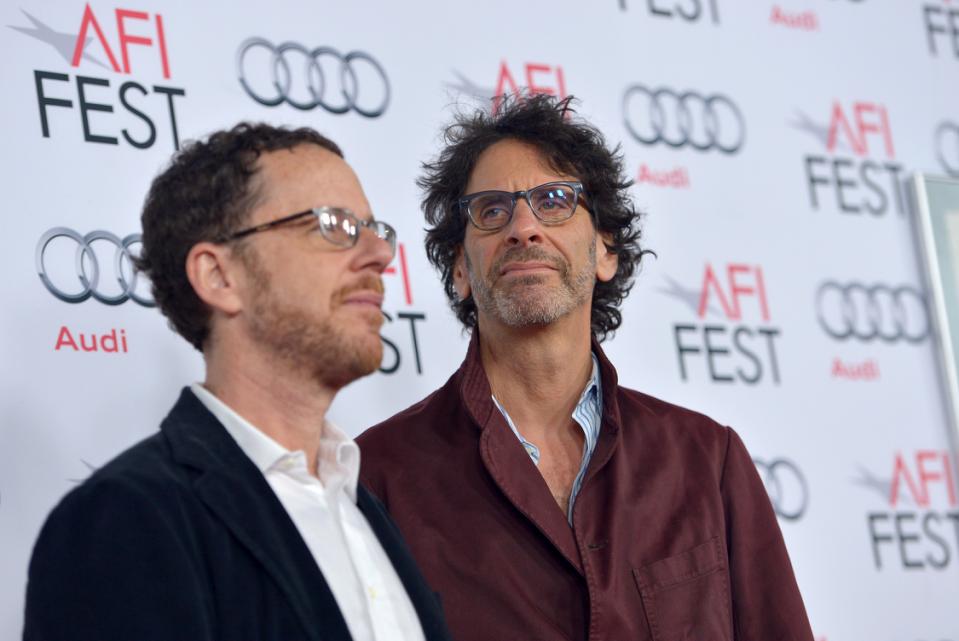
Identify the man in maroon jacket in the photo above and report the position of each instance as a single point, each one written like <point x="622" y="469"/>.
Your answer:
<point x="541" y="499"/>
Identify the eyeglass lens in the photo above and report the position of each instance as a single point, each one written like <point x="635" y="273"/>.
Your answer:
<point x="551" y="203"/>
<point x="343" y="228"/>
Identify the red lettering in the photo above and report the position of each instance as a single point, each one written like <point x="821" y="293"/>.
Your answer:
<point x="404" y="272"/>
<point x="108" y="342"/>
<point x="123" y="340"/>
<point x="161" y="40"/>
<point x="837" y="120"/>
<point x="90" y="19"/>
<point x="65" y="338"/>
<point x="901" y="472"/>
<point x="123" y="14"/>
<point x="501" y="82"/>
<point x="709" y="278"/>
<point x="92" y="347"/>
<point x="533" y="87"/>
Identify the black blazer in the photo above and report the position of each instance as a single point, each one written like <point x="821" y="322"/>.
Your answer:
<point x="181" y="538"/>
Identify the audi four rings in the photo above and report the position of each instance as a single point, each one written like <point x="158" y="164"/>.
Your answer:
<point x="679" y="119"/>
<point x="85" y="256"/>
<point x="872" y="312"/>
<point x="947" y="147"/>
<point x="786" y="486"/>
<point x="304" y="84"/>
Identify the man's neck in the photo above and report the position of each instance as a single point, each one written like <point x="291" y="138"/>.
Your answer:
<point x="289" y="408"/>
<point x="537" y="373"/>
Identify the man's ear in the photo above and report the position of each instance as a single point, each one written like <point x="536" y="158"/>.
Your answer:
<point x="213" y="269"/>
<point x="607" y="261"/>
<point x="461" y="280"/>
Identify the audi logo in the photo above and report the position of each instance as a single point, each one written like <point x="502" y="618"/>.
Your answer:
<point x="679" y="119"/>
<point x="872" y="312"/>
<point x="308" y="78"/>
<point x="786" y="486"/>
<point x="947" y="147"/>
<point x="87" y="267"/>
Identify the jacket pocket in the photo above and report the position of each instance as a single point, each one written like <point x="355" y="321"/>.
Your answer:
<point x="686" y="596"/>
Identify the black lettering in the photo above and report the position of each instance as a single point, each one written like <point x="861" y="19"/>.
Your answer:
<point x="146" y="144"/>
<point x="412" y="317"/>
<point x="770" y="335"/>
<point x="904" y="538"/>
<point x="864" y="170"/>
<point x="396" y="352"/>
<point x="812" y="180"/>
<point x="931" y="29"/>
<point x="714" y="7"/>
<point x="170" y="92"/>
<point x="710" y="351"/>
<point x="43" y="101"/>
<point x="85" y="106"/>
<point x="690" y="16"/>
<point x="894" y="170"/>
<point x="954" y="517"/>
<point x="877" y="538"/>
<point x="930" y="533"/>
<point x="840" y="183"/>
<point x="656" y="11"/>
<point x="682" y="349"/>
<point x="757" y="365"/>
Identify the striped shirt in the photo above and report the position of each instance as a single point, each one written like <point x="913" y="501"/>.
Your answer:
<point x="588" y="414"/>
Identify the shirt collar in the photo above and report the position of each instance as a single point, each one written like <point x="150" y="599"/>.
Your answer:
<point x="338" y="457"/>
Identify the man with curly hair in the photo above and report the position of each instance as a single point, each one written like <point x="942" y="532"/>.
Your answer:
<point x="541" y="499"/>
<point x="242" y="518"/>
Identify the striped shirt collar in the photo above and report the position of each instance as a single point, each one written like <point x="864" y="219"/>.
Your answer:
<point x="588" y="414"/>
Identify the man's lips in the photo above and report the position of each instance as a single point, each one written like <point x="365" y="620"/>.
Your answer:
<point x="364" y="297"/>
<point x="525" y="267"/>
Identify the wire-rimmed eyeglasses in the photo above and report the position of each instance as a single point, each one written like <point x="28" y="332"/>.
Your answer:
<point x="339" y="226"/>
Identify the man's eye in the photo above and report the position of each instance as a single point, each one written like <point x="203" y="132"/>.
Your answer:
<point x="493" y="213"/>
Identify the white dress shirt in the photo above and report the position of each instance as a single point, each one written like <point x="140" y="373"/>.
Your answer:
<point x="364" y="583"/>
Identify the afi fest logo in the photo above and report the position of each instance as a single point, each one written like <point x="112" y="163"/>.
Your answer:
<point x="529" y="78"/>
<point x="688" y="11"/>
<point x="918" y="526"/>
<point x="402" y="340"/>
<point x="856" y="170"/>
<point x="733" y="339"/>
<point x="134" y="104"/>
<point x="942" y="29"/>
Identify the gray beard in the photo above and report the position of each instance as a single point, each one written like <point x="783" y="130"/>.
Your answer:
<point x="524" y="302"/>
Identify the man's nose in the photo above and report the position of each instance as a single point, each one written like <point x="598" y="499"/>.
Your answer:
<point x="372" y="251"/>
<point x="525" y="227"/>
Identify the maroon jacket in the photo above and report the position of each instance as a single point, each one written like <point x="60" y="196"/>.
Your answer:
<point x="673" y="535"/>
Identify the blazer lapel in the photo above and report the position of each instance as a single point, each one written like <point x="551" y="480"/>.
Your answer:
<point x="239" y="495"/>
<point x="424" y="600"/>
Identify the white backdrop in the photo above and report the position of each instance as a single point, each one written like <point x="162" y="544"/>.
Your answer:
<point x="784" y="237"/>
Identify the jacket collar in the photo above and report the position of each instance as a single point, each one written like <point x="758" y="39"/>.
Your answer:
<point x="238" y="494"/>
<point x="510" y="466"/>
<point x="478" y="396"/>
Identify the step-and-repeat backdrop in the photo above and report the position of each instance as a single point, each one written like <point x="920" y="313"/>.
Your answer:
<point x="769" y="143"/>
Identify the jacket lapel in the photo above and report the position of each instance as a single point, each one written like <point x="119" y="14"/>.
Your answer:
<point x="424" y="600"/>
<point x="239" y="495"/>
<point x="509" y="464"/>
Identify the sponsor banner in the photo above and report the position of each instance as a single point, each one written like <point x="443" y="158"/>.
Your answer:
<point x="760" y="138"/>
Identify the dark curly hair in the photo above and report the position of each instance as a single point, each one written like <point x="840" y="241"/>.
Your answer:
<point x="206" y="193"/>
<point x="571" y="146"/>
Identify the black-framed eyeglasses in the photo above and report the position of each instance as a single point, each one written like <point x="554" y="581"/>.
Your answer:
<point x="339" y="226"/>
<point x="552" y="203"/>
